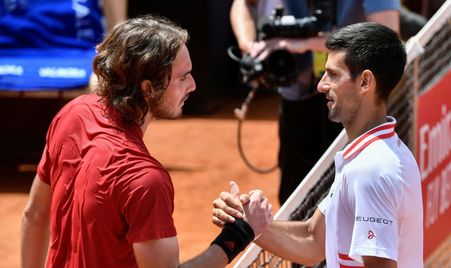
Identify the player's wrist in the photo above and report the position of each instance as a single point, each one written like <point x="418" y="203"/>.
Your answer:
<point x="234" y="238"/>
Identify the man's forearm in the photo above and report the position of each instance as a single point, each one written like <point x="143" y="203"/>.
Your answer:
<point x="34" y="241"/>
<point x="389" y="18"/>
<point x="233" y="239"/>
<point x="243" y="24"/>
<point x="115" y="11"/>
<point x="213" y="257"/>
<point x="35" y="228"/>
<point x="292" y="240"/>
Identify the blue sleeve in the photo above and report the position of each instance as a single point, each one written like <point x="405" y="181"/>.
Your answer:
<point x="373" y="6"/>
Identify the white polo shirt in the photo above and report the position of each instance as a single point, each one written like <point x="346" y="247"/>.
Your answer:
<point x="374" y="207"/>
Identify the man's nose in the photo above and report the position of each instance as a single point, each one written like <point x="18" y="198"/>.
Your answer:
<point x="322" y="86"/>
<point x="193" y="86"/>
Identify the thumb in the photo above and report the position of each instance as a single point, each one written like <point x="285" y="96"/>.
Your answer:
<point x="244" y="199"/>
<point x="234" y="189"/>
<point x="235" y="192"/>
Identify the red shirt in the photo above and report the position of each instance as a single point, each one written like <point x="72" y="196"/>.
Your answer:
<point x="107" y="190"/>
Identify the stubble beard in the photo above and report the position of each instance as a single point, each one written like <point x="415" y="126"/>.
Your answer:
<point x="160" y="110"/>
<point x="333" y="115"/>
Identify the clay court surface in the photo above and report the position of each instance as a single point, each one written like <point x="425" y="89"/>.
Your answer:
<point x="202" y="156"/>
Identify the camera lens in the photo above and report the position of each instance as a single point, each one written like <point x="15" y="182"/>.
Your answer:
<point x="281" y="67"/>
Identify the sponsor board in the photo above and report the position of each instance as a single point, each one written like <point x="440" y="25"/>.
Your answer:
<point x="433" y="153"/>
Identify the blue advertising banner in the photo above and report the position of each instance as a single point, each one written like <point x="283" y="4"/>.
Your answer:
<point x="48" y="44"/>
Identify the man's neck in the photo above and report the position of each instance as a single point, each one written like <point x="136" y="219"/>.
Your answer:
<point x="147" y="119"/>
<point x="364" y="123"/>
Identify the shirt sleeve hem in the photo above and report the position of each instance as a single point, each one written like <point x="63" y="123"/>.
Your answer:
<point x="357" y="253"/>
<point x="151" y="236"/>
<point x="322" y="206"/>
<point x="42" y="176"/>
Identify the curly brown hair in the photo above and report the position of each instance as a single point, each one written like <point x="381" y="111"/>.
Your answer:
<point x="136" y="50"/>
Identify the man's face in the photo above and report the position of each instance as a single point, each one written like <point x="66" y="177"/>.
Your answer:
<point x="341" y="92"/>
<point x="169" y="106"/>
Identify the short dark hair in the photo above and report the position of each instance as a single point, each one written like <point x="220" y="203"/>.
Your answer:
<point x="135" y="50"/>
<point x="371" y="46"/>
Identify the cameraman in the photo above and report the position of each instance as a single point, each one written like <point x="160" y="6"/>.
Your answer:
<point x="304" y="130"/>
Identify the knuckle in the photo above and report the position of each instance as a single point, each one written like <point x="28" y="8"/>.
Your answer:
<point x="227" y="210"/>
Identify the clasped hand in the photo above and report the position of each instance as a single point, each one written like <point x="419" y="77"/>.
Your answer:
<point x="253" y="207"/>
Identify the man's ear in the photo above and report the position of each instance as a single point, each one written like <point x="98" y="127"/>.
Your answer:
<point x="146" y="88"/>
<point x="367" y="81"/>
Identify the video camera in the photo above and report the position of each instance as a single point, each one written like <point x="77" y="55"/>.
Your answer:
<point x="279" y="67"/>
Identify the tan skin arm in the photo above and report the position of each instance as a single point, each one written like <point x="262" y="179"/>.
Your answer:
<point x="304" y="242"/>
<point x="243" y="24"/>
<point x="35" y="230"/>
<point x="165" y="252"/>
<point x="389" y="18"/>
<point x="300" y="242"/>
<point x="376" y="262"/>
<point x="115" y="11"/>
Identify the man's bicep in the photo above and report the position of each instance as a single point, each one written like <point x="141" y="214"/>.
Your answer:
<point x="317" y="223"/>
<point x="39" y="200"/>
<point x="162" y="252"/>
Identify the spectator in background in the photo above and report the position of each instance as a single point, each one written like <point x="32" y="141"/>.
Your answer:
<point x="304" y="130"/>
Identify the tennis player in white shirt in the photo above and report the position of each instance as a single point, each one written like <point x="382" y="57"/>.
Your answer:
<point x="372" y="216"/>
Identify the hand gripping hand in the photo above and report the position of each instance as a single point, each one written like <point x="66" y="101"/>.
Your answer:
<point x="254" y="208"/>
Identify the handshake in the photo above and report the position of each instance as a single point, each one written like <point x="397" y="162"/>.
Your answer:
<point x="254" y="208"/>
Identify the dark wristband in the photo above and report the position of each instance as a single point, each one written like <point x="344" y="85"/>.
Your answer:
<point x="234" y="238"/>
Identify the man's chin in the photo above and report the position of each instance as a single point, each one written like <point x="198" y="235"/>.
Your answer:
<point x="333" y="118"/>
<point x="172" y="116"/>
<point x="168" y="117"/>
